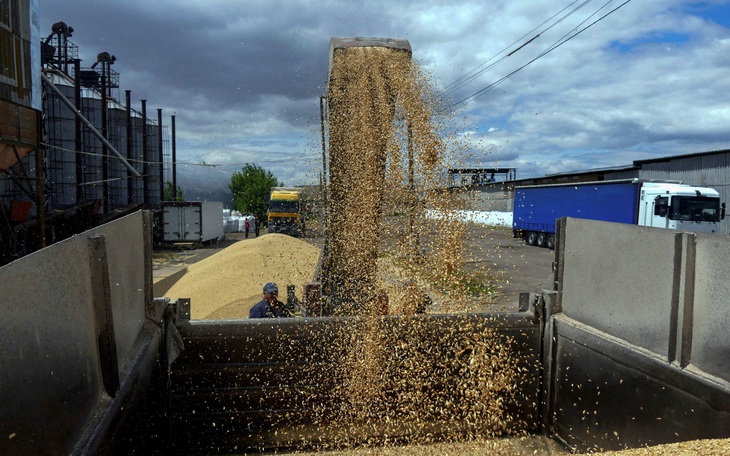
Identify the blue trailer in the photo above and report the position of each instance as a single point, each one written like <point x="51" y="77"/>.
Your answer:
<point x="669" y="205"/>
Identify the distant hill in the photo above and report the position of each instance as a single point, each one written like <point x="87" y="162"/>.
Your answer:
<point x="206" y="183"/>
<point x="211" y="183"/>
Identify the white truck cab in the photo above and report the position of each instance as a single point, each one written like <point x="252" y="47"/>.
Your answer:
<point x="680" y="207"/>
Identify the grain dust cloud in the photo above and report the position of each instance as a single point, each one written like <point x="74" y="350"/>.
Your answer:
<point x="410" y="379"/>
<point x="386" y="170"/>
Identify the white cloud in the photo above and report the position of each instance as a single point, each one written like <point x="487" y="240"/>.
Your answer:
<point x="244" y="77"/>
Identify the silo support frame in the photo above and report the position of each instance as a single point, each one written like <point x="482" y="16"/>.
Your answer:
<point x="88" y="124"/>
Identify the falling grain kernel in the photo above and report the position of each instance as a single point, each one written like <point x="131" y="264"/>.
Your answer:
<point x="391" y="375"/>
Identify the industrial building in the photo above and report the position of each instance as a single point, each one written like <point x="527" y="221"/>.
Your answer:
<point x="702" y="169"/>
<point x="73" y="153"/>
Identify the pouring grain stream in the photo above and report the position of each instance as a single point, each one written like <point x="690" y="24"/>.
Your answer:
<point x="384" y="150"/>
<point x="388" y="381"/>
<point x="385" y="157"/>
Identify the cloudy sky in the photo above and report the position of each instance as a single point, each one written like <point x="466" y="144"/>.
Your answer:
<point x="543" y="86"/>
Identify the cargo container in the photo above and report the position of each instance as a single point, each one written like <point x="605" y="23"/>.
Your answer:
<point x="192" y="221"/>
<point x="94" y="362"/>
<point x="670" y="205"/>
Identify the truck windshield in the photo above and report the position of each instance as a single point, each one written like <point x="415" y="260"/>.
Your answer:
<point x="695" y="209"/>
<point x="284" y="206"/>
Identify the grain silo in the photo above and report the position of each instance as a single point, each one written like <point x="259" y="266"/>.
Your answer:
<point x="92" y="159"/>
<point x="62" y="165"/>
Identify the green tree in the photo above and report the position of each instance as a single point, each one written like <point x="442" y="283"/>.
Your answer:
<point x="171" y="195"/>
<point x="250" y="189"/>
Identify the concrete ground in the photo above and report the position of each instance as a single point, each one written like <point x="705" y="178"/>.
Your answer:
<point x="515" y="267"/>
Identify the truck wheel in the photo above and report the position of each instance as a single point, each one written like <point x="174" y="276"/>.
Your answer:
<point x="550" y="243"/>
<point x="531" y="238"/>
<point x="541" y="238"/>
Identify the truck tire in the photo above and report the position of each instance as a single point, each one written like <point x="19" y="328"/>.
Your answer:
<point x="531" y="238"/>
<point x="541" y="239"/>
<point x="550" y="243"/>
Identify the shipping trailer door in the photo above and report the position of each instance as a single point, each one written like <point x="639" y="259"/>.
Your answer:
<point x="171" y="220"/>
<point x="181" y="223"/>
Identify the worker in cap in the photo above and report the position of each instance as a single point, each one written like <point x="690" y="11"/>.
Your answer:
<point x="270" y="306"/>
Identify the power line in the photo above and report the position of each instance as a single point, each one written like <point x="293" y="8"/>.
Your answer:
<point x="178" y="162"/>
<point x="281" y="160"/>
<point x="567" y="37"/>
<point x="474" y="73"/>
<point x="96" y="154"/>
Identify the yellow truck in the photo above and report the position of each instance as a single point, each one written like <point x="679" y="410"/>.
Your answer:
<point x="285" y="211"/>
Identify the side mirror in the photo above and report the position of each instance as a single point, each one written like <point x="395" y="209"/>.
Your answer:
<point x="722" y="211"/>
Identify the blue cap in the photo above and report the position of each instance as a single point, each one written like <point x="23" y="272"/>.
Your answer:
<point x="271" y="288"/>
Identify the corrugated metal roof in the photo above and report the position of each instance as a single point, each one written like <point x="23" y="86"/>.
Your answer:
<point x="594" y="170"/>
<point x="638" y="163"/>
<point x="205" y="183"/>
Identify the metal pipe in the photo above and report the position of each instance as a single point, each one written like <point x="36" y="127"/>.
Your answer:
<point x="78" y="139"/>
<point x="40" y="150"/>
<point x="324" y="151"/>
<point x="322" y="263"/>
<point x="105" y="204"/>
<point x="86" y="123"/>
<point x="40" y="189"/>
<point x="145" y="158"/>
<point x="130" y="149"/>
<point x="174" y="162"/>
<point x="162" y="158"/>
<point x="413" y="237"/>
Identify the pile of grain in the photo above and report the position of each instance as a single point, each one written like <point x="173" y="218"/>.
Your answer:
<point x="708" y="447"/>
<point x="227" y="284"/>
<point x="514" y="446"/>
<point x="531" y="445"/>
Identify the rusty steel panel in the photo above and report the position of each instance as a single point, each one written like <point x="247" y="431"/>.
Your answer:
<point x="18" y="132"/>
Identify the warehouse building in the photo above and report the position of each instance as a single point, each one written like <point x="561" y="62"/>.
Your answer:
<point x="702" y="169"/>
